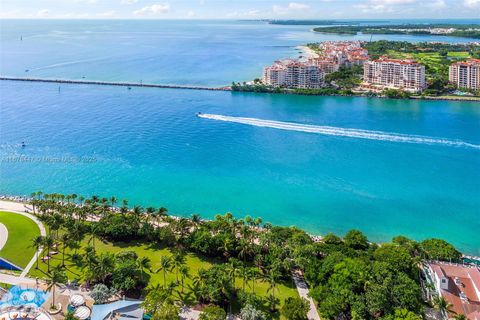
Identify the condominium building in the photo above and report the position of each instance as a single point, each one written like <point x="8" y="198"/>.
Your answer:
<point x="465" y="74"/>
<point x="383" y="73"/>
<point x="291" y="73"/>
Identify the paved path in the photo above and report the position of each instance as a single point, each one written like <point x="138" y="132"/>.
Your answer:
<point x="303" y="292"/>
<point x="15" y="280"/>
<point x="3" y="235"/>
<point x="22" y="209"/>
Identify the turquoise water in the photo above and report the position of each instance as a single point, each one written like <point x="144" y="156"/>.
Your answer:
<point x="149" y="146"/>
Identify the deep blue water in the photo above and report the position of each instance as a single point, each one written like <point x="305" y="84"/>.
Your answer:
<point x="147" y="145"/>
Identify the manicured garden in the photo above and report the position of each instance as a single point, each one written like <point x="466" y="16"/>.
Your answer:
<point x="194" y="262"/>
<point x="21" y="230"/>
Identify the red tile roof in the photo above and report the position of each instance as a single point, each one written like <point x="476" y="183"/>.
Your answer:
<point x="469" y="278"/>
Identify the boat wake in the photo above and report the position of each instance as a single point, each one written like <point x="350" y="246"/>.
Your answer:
<point x="342" y="132"/>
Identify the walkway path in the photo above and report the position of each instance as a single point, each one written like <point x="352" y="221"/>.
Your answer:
<point x="16" y="280"/>
<point x="3" y="235"/>
<point x="303" y="292"/>
<point x="23" y="209"/>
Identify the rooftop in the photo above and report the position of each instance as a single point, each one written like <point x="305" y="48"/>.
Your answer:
<point x="464" y="282"/>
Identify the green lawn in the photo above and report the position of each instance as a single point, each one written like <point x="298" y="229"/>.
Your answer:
<point x="433" y="61"/>
<point x="21" y="231"/>
<point x="154" y="253"/>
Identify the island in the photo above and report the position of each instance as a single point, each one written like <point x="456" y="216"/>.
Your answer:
<point x="453" y="30"/>
<point x="394" y="69"/>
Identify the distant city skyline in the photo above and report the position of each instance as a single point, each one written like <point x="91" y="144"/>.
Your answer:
<point x="239" y="9"/>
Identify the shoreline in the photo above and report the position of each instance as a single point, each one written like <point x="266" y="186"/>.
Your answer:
<point x="307" y="52"/>
<point x="19" y="204"/>
<point x="228" y="88"/>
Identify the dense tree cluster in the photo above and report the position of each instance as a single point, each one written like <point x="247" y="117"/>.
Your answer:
<point x="350" y="277"/>
<point x="467" y="30"/>
<point x="356" y="279"/>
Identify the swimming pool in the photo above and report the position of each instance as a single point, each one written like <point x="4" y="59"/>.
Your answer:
<point x="23" y="296"/>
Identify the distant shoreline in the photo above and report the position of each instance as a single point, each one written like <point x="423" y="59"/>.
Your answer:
<point x="226" y="88"/>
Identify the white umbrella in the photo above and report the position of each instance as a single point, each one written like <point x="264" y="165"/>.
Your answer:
<point x="82" y="313"/>
<point x="77" y="300"/>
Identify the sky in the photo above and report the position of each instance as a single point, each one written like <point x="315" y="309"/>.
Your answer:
<point x="239" y="9"/>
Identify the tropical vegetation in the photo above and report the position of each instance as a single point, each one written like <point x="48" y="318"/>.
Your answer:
<point x="225" y="264"/>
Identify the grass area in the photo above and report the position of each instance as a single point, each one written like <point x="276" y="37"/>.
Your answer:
<point x="154" y="253"/>
<point x="433" y="61"/>
<point x="21" y="231"/>
<point x="5" y="286"/>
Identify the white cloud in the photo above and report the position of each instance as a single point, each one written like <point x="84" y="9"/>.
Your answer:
<point x="292" y="7"/>
<point x="86" y="1"/>
<point x="152" y="10"/>
<point x="128" y="1"/>
<point x="471" y="3"/>
<point x="437" y="4"/>
<point x="43" y="13"/>
<point x="108" y="14"/>
<point x="392" y="2"/>
<point x="373" y="8"/>
<point x="190" y="14"/>
<point x="384" y="6"/>
<point x="297" y="6"/>
<point x="243" y="14"/>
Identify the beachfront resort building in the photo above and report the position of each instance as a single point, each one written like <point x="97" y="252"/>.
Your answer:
<point x="465" y="74"/>
<point x="458" y="284"/>
<point x="385" y="73"/>
<point x="332" y="55"/>
<point x="309" y="73"/>
<point x="291" y="73"/>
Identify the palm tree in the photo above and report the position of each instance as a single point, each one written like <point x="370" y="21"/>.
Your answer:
<point x="161" y="213"/>
<point x="226" y="246"/>
<point x="253" y="275"/>
<point x="57" y="277"/>
<point x="37" y="242"/>
<point x="271" y="278"/>
<point x="243" y="249"/>
<point x="196" y="220"/>
<point x="232" y="268"/>
<point x="178" y="260"/>
<point x="149" y="212"/>
<point x="142" y="264"/>
<point x="184" y="273"/>
<point x="244" y="272"/>
<point x="442" y="305"/>
<point x="137" y="212"/>
<point x="65" y="239"/>
<point x="165" y="266"/>
<point x="94" y="232"/>
<point x="113" y="201"/>
<point x="103" y="265"/>
<point x="48" y="243"/>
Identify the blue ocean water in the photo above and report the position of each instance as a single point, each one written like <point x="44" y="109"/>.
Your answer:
<point x="149" y="146"/>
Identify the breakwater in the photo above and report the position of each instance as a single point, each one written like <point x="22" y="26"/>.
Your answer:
<point x="120" y="84"/>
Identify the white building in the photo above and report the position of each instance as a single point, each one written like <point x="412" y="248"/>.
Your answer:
<point x="293" y="74"/>
<point x="465" y="74"/>
<point x="385" y="73"/>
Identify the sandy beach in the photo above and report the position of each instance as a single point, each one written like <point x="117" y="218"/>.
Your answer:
<point x="307" y="52"/>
